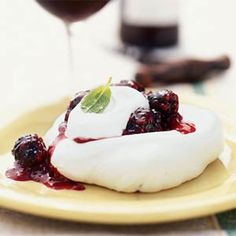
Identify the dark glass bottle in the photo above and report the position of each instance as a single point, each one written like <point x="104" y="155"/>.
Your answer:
<point x="150" y="23"/>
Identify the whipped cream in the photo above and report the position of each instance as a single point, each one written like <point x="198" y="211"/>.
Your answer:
<point x="141" y="162"/>
<point x="112" y="121"/>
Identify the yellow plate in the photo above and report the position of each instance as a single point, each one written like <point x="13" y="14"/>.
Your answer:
<point x="213" y="191"/>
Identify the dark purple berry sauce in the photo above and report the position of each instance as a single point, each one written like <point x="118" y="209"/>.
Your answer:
<point x="43" y="173"/>
<point x="40" y="169"/>
<point x="32" y="159"/>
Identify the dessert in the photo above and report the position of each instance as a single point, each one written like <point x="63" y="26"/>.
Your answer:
<point x="120" y="137"/>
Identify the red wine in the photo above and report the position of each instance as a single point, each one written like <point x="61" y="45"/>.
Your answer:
<point x="72" y="10"/>
<point x="149" y="36"/>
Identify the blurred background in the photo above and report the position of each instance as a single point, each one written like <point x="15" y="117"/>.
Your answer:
<point x="34" y="54"/>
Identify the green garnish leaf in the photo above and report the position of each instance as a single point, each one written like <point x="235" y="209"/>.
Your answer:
<point x="97" y="100"/>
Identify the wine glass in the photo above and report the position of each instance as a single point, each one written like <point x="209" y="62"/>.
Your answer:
<point x="70" y="11"/>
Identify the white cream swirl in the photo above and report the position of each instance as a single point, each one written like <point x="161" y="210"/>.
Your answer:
<point x="111" y="122"/>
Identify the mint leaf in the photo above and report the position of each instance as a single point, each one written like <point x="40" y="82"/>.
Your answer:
<point x="97" y="100"/>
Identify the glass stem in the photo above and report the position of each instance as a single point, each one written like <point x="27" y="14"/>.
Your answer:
<point x="71" y="68"/>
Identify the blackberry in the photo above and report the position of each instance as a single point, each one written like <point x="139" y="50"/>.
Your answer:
<point x="141" y="121"/>
<point x="130" y="83"/>
<point x="164" y="101"/>
<point x="172" y="121"/>
<point x="29" y="150"/>
<point x="158" y="120"/>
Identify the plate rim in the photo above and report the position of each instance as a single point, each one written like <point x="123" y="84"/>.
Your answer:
<point x="205" y="208"/>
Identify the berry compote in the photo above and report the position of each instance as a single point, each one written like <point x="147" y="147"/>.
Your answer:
<point x="32" y="162"/>
<point x="162" y="115"/>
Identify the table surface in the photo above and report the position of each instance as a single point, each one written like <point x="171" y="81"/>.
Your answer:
<point x="33" y="49"/>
